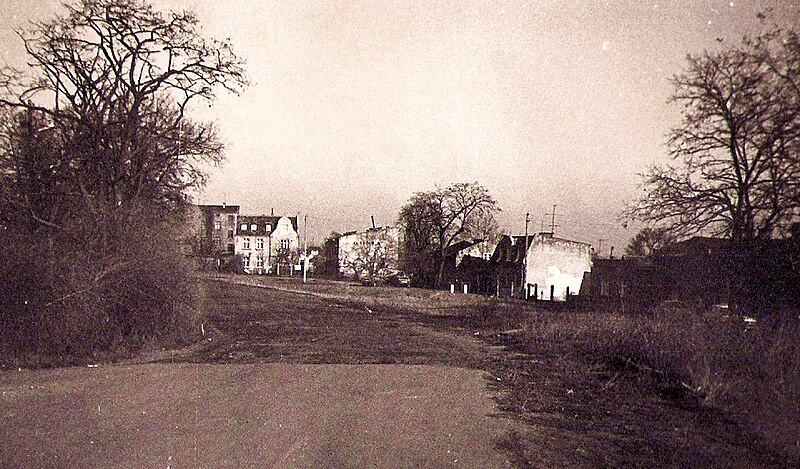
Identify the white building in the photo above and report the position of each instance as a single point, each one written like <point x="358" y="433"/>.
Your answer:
<point x="554" y="267"/>
<point x="267" y="244"/>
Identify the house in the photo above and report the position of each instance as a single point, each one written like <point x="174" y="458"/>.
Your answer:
<point x="554" y="267"/>
<point x="211" y="231"/>
<point x="539" y="266"/>
<point x="701" y="272"/>
<point x="267" y="244"/>
<point x="372" y="255"/>
<point x="507" y="263"/>
<point x="470" y="265"/>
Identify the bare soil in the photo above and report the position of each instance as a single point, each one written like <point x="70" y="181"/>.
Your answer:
<point x="313" y="357"/>
<point x="575" y="413"/>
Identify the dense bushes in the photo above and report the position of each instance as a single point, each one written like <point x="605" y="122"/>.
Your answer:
<point x="750" y="372"/>
<point x="64" y="303"/>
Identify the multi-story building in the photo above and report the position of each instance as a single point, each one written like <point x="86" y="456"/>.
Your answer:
<point x="217" y="229"/>
<point x="267" y="244"/>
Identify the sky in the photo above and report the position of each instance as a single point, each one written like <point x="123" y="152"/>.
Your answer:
<point x="356" y="105"/>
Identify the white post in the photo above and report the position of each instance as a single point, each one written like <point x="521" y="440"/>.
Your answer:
<point x="466" y="288"/>
<point x="452" y="288"/>
<point x="305" y="248"/>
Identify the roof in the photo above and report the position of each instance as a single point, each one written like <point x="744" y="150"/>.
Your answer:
<point x="224" y="208"/>
<point x="693" y="245"/>
<point x="261" y="222"/>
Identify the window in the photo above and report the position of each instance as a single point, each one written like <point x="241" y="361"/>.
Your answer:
<point x="246" y="262"/>
<point x="243" y="227"/>
<point x="246" y="243"/>
<point x="285" y="244"/>
<point x="217" y="225"/>
<point x="259" y="262"/>
<point x="259" y="243"/>
<point x="253" y="227"/>
<point x="231" y="220"/>
<point x="230" y="248"/>
<point x="268" y="228"/>
<point x="217" y="241"/>
<point x="230" y="234"/>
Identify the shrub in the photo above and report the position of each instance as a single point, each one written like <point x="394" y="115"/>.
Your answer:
<point x="64" y="303"/>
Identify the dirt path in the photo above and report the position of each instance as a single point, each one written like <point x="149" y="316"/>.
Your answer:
<point x="275" y="415"/>
<point x="289" y="381"/>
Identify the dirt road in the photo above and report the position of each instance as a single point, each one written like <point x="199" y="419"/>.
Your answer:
<point x="312" y="388"/>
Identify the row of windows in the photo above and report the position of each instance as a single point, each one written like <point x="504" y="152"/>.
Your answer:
<point x="285" y="243"/>
<point x="253" y="227"/>
<point x="259" y="262"/>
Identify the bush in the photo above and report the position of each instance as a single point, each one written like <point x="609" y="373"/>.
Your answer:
<point x="64" y="303"/>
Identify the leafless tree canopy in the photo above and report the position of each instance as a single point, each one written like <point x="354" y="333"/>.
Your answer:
<point x="737" y="170"/>
<point x="113" y="79"/>
<point x="433" y="221"/>
<point x="97" y="156"/>
<point x="648" y="241"/>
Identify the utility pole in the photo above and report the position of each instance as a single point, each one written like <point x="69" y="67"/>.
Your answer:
<point x="525" y="258"/>
<point x="305" y="248"/>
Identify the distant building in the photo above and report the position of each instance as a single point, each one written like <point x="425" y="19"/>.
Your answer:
<point x="372" y="255"/>
<point x="267" y="244"/>
<point x="540" y="266"/>
<point x="216" y="229"/>
<point x="703" y="271"/>
<point x="555" y="267"/>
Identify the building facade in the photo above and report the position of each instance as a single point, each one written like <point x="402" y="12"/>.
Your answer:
<point x="267" y="244"/>
<point x="555" y="267"/>
<point x="216" y="229"/>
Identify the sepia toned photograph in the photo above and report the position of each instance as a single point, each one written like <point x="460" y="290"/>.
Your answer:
<point x="396" y="234"/>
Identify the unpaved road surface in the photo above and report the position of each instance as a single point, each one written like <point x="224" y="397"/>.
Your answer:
<point x="290" y="381"/>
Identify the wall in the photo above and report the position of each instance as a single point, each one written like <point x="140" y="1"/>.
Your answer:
<point x="557" y="262"/>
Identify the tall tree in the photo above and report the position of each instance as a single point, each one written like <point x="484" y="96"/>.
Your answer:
<point x="433" y="221"/>
<point x="737" y="147"/>
<point x="97" y="156"/>
<point x="114" y="79"/>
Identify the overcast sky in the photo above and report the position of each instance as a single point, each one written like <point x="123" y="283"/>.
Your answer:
<point x="354" y="106"/>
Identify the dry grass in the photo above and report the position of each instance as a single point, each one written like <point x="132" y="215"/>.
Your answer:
<point x="752" y="374"/>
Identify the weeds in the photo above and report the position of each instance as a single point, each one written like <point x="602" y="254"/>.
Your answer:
<point x="750" y="373"/>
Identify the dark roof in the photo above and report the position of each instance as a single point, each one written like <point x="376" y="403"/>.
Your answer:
<point x="261" y="222"/>
<point x="225" y="208"/>
<point x="464" y="244"/>
<point x="693" y="245"/>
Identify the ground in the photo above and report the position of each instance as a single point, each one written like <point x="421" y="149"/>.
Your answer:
<point x="337" y="375"/>
<point x="287" y="380"/>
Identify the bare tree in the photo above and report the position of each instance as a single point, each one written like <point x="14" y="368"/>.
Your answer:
<point x="373" y="256"/>
<point x="113" y="79"/>
<point x="739" y="171"/>
<point x="97" y="156"/>
<point x="433" y="221"/>
<point x="648" y="241"/>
